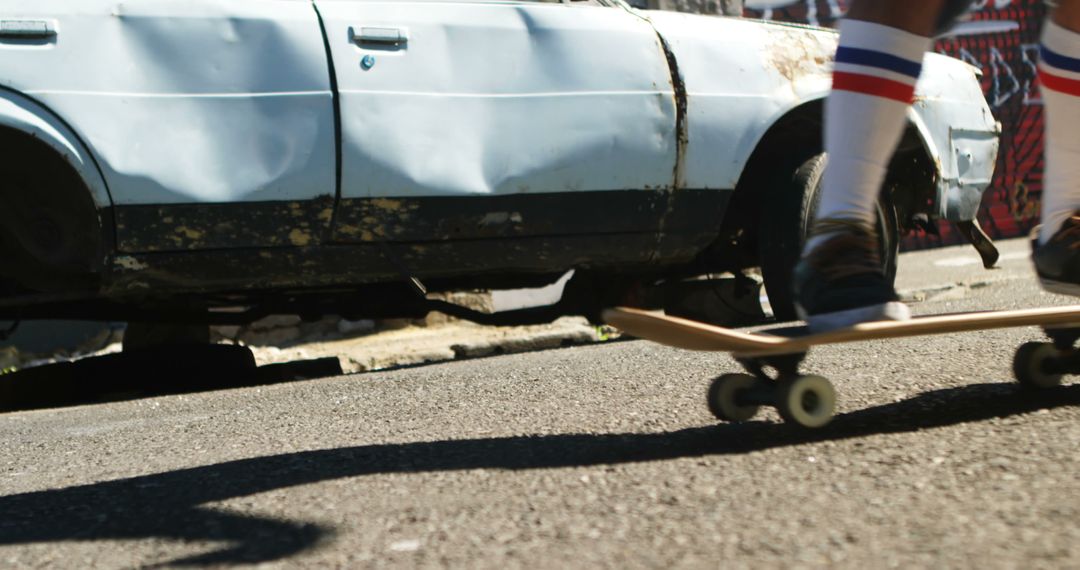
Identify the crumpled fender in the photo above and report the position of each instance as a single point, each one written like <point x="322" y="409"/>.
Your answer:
<point x="23" y="114"/>
<point x="961" y="138"/>
<point x="962" y="147"/>
<point x="743" y="77"/>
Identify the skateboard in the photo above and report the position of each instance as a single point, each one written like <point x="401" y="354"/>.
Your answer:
<point x="773" y="358"/>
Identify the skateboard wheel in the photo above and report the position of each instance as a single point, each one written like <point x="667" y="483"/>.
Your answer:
<point x="1030" y="362"/>
<point x="809" y="401"/>
<point x="724" y="398"/>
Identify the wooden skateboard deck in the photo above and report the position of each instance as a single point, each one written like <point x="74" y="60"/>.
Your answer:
<point x="693" y="335"/>
<point x="772" y="358"/>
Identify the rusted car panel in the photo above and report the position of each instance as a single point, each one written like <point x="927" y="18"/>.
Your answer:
<point x="731" y="110"/>
<point x="740" y="77"/>
<point x="961" y="137"/>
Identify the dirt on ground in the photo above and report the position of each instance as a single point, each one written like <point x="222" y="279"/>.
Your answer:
<point x="412" y="344"/>
<point x="359" y="346"/>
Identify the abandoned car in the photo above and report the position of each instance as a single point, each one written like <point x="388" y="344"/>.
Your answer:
<point x="208" y="161"/>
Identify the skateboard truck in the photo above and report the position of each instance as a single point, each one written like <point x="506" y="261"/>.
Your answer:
<point x="1043" y="364"/>
<point x="772" y="358"/>
<point x="808" y="401"/>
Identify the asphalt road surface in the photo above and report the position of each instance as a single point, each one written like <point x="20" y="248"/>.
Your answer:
<point x="584" y="457"/>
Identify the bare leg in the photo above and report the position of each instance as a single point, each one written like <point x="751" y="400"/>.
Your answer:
<point x="899" y="14"/>
<point x="1067" y="15"/>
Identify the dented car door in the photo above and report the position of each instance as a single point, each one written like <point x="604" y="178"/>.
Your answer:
<point x="212" y="122"/>
<point x="499" y="120"/>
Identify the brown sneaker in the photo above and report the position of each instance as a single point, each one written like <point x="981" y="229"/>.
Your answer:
<point x="839" y="283"/>
<point x="1057" y="262"/>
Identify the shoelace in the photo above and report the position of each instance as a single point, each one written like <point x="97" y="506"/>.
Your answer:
<point x="826" y="226"/>
<point x="851" y="251"/>
<point x="1070" y="230"/>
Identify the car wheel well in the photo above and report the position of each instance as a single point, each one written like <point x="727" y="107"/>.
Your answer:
<point x="797" y="133"/>
<point x="51" y="232"/>
<point x="793" y="139"/>
<point x="913" y="178"/>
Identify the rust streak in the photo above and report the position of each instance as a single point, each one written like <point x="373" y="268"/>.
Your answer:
<point x="682" y="139"/>
<point x="796" y="54"/>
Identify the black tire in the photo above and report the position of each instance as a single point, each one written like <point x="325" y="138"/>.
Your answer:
<point x="142" y="336"/>
<point x="788" y="209"/>
<point x="50" y="229"/>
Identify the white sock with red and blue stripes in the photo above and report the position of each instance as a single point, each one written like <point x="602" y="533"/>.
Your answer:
<point x="873" y="85"/>
<point x="1059" y="74"/>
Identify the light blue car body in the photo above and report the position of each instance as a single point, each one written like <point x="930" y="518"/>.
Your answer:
<point x="346" y="114"/>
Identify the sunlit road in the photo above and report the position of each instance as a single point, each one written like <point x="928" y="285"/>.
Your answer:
<point x="596" y="456"/>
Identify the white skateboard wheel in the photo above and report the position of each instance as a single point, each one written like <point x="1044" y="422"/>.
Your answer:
<point x="724" y="398"/>
<point x="809" y="401"/>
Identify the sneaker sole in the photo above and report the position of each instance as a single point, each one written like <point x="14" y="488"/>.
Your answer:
<point x="894" y="311"/>
<point x="1060" y="287"/>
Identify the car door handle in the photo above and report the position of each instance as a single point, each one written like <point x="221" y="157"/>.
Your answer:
<point x="27" y="29"/>
<point x="380" y="36"/>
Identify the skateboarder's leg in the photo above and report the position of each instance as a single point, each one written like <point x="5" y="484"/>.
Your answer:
<point x="882" y="43"/>
<point x="839" y="281"/>
<point x="1057" y="251"/>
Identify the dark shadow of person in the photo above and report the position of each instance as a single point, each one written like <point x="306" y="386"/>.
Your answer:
<point x="172" y="505"/>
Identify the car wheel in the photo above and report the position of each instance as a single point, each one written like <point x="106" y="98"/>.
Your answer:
<point x="50" y="228"/>
<point x="787" y="212"/>
<point x="141" y="336"/>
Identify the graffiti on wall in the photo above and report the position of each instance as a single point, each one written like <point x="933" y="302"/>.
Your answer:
<point x="1000" y="37"/>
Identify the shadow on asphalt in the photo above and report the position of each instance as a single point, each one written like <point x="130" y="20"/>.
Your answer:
<point x="171" y="505"/>
<point x="150" y="372"/>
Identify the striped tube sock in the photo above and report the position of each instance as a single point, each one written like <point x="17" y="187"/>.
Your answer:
<point x="1059" y="74"/>
<point x="873" y="85"/>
